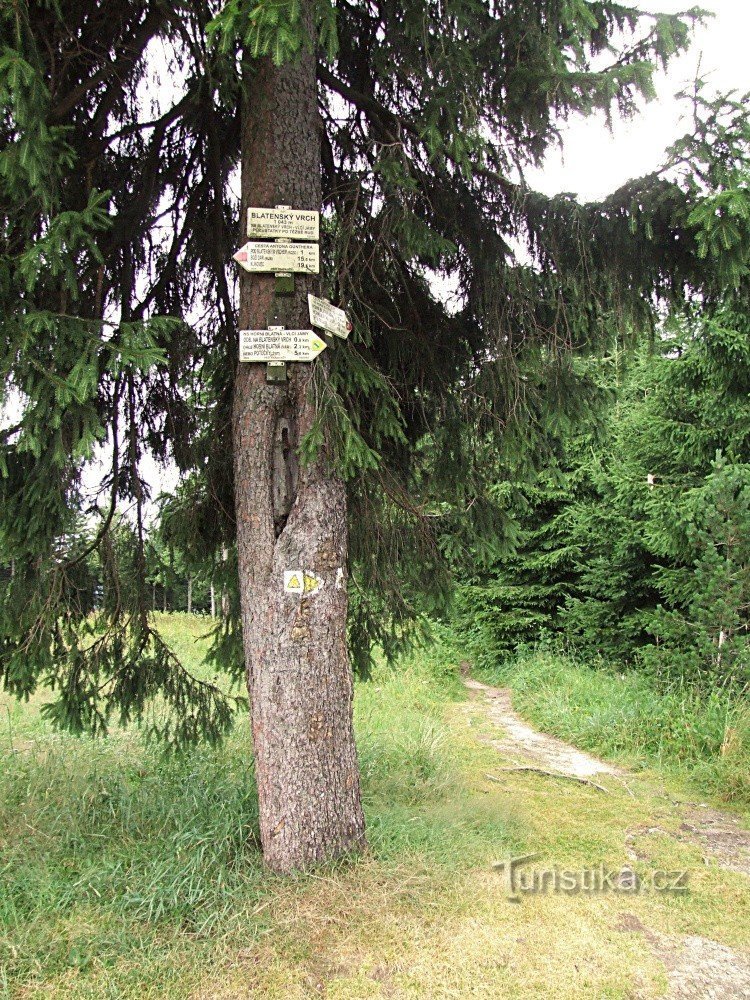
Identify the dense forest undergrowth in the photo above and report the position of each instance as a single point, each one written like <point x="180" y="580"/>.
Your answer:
<point x="632" y="542"/>
<point x="629" y="551"/>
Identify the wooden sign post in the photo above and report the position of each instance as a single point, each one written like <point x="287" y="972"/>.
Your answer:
<point x="278" y="344"/>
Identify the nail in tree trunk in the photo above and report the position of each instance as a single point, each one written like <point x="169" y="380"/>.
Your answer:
<point x="291" y="517"/>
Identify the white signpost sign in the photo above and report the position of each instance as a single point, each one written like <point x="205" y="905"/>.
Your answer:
<point x="328" y="317"/>
<point x="275" y="257"/>
<point x="278" y="344"/>
<point x="282" y="223"/>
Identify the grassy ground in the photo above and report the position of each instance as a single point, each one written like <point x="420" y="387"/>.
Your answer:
<point x="125" y="874"/>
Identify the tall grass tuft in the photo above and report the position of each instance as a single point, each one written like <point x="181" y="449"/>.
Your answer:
<point x="126" y="832"/>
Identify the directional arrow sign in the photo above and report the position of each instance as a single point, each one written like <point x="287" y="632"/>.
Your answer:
<point x="301" y="257"/>
<point x="282" y="223"/>
<point x="328" y="317"/>
<point x="311" y="583"/>
<point x="280" y="345"/>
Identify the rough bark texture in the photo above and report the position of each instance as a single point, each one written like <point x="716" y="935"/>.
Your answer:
<point x="291" y="517"/>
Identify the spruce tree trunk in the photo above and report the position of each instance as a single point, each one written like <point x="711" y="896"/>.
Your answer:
<point x="291" y="517"/>
<point x="224" y="597"/>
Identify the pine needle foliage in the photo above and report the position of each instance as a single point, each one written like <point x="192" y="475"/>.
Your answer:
<point x="120" y="131"/>
<point x="633" y="542"/>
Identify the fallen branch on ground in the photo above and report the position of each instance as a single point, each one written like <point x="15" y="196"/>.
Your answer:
<point x="551" y="774"/>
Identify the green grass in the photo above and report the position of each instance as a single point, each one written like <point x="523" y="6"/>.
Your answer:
<point x="101" y="842"/>
<point x="126" y="873"/>
<point x="624" y="716"/>
<point x="111" y="849"/>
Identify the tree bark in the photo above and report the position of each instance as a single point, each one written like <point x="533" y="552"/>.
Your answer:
<point x="291" y="517"/>
<point x="190" y="595"/>
<point x="224" y="595"/>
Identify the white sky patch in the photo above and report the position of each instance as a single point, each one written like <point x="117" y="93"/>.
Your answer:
<point x="595" y="162"/>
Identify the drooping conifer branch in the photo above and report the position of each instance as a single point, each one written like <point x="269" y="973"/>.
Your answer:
<point x="430" y="115"/>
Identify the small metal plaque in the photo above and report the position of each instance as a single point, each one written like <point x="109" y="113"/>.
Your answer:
<point x="276" y="371"/>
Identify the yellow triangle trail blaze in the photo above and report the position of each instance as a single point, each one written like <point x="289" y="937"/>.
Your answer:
<point x="293" y="581"/>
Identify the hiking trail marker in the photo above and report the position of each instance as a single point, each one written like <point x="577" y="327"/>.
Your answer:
<point x="302" y="258"/>
<point x="303" y="582"/>
<point x="293" y="581"/>
<point x="282" y="223"/>
<point x="328" y="317"/>
<point x="279" y="344"/>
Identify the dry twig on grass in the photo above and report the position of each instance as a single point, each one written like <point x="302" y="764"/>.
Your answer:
<point x="551" y="774"/>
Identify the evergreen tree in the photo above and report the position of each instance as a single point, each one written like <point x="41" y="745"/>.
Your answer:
<point x="118" y="224"/>
<point x="693" y="435"/>
<point x="632" y="543"/>
<point x="515" y="598"/>
<point x="699" y="628"/>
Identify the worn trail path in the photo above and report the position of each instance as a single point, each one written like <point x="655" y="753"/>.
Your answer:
<point x="533" y="747"/>
<point x="697" y="968"/>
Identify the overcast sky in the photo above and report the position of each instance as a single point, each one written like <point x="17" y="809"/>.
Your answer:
<point x="595" y="162"/>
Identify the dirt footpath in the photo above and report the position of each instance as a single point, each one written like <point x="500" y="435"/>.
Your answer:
<point x="696" y="968"/>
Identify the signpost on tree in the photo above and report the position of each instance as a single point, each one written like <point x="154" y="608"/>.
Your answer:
<point x="328" y="317"/>
<point x="280" y="256"/>
<point x="291" y="517"/>
<point x="434" y="182"/>
<point x="278" y="344"/>
<point x="282" y="223"/>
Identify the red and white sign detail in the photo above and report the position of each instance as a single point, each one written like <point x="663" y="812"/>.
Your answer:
<point x="304" y="258"/>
